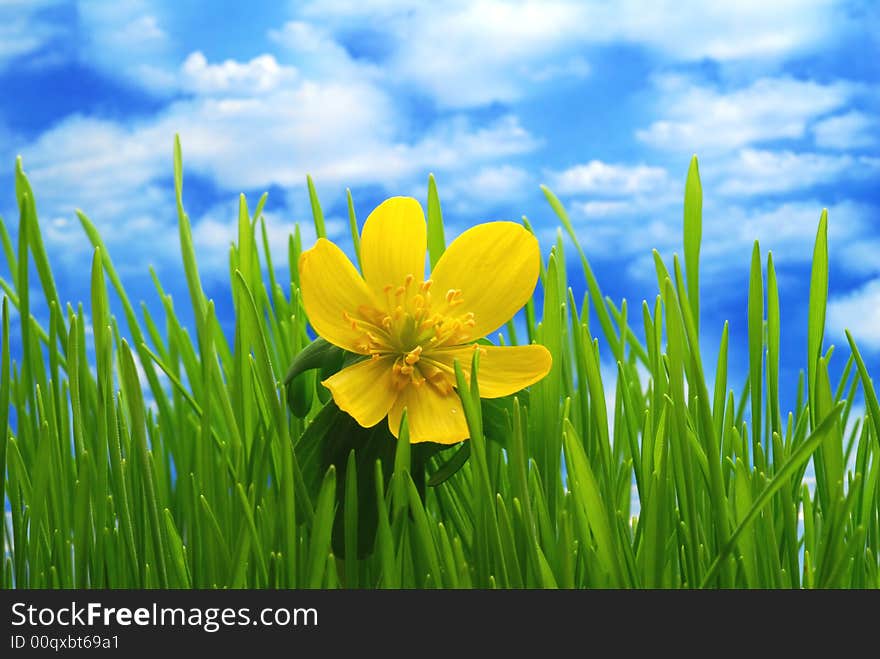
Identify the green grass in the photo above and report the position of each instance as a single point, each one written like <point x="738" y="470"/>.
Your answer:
<point x="231" y="479"/>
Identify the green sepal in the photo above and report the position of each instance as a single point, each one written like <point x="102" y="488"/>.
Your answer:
<point x="300" y="382"/>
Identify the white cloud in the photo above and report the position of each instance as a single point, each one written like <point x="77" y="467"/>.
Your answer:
<point x="84" y="154"/>
<point x="262" y="74"/>
<point x="343" y="133"/>
<point x="788" y="228"/>
<point x="859" y="312"/>
<point x="126" y="40"/>
<point x="621" y="209"/>
<point x="620" y="230"/>
<point x="703" y="119"/>
<point x="468" y="192"/>
<point x="338" y="133"/>
<point x="727" y="31"/>
<point x="760" y="171"/>
<point x="109" y="171"/>
<point x="574" y="67"/>
<point x="480" y="51"/>
<point x="466" y="54"/>
<point x="626" y="230"/>
<point x="469" y="53"/>
<point x="318" y="55"/>
<point x="598" y="177"/>
<point x="748" y="28"/>
<point x="602" y="208"/>
<point x="852" y="130"/>
<point x="497" y="183"/>
<point x="860" y="257"/>
<point x="217" y="229"/>
<point x="21" y="29"/>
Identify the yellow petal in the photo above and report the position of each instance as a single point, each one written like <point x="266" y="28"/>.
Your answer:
<point x="393" y="244"/>
<point x="495" y="266"/>
<point x="431" y="416"/>
<point x="332" y="287"/>
<point x="503" y="370"/>
<point x="365" y="390"/>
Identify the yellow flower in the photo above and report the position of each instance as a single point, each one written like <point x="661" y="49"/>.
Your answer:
<point x="414" y="328"/>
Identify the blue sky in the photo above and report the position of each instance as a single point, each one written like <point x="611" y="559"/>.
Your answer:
<point x="603" y="101"/>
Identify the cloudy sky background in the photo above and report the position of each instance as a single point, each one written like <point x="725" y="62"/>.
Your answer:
<point x="603" y="101"/>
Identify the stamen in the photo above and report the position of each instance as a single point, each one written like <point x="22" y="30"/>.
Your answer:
<point x="413" y="355"/>
<point x="406" y="320"/>
<point x="453" y="297"/>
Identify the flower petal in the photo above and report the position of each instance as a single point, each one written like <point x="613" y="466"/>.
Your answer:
<point x="495" y="266"/>
<point x="431" y="415"/>
<point x="503" y="370"/>
<point x="365" y="390"/>
<point x="393" y="244"/>
<point x="332" y="287"/>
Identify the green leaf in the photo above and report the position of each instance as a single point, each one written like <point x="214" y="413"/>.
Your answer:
<point x="322" y="529"/>
<point x="868" y="386"/>
<point x="135" y="403"/>
<point x="9" y="251"/>
<point x="176" y="551"/>
<point x="693" y="234"/>
<point x="436" y="237"/>
<point x="449" y="468"/>
<point x="773" y="332"/>
<point x="816" y="311"/>
<point x="4" y="415"/>
<point x="384" y="542"/>
<point x="256" y="543"/>
<point x="328" y="441"/>
<point x="317" y="213"/>
<point x="782" y="477"/>
<point x="586" y="489"/>
<point x="353" y="225"/>
<point x="592" y="284"/>
<point x="756" y="344"/>
<point x="350" y="521"/>
<point x="422" y="529"/>
<point x="35" y="240"/>
<point x="497" y="414"/>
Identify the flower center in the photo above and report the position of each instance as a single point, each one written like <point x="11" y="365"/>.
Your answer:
<point x="412" y="323"/>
